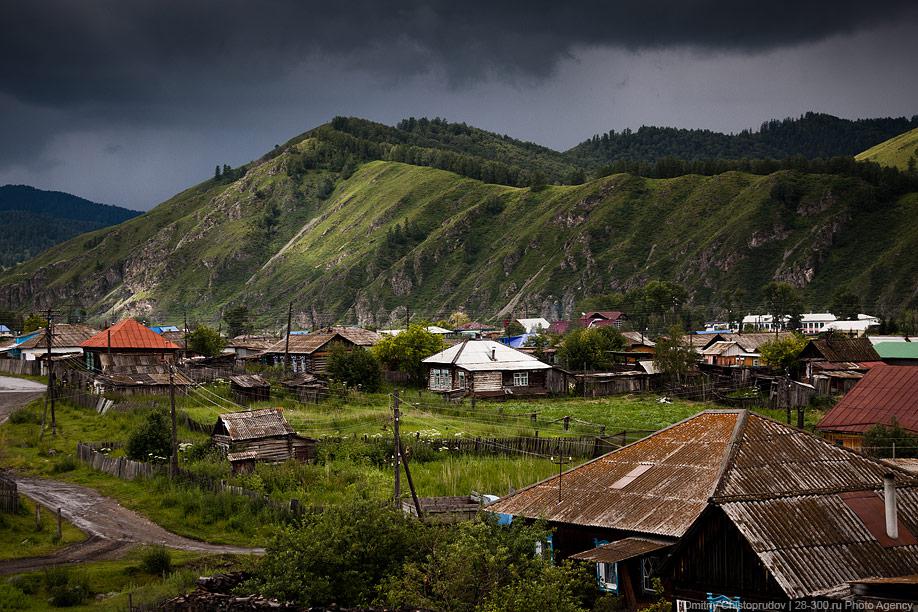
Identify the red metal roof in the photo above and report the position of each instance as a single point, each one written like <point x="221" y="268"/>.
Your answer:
<point x="884" y="393"/>
<point x="129" y="334"/>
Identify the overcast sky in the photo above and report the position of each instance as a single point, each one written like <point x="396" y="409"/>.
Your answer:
<point x="130" y="102"/>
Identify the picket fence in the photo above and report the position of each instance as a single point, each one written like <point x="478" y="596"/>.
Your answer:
<point x="20" y="366"/>
<point x="9" y="495"/>
<point x="120" y="467"/>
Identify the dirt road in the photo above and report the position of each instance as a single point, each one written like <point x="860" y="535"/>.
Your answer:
<point x="112" y="527"/>
<point x="16" y="392"/>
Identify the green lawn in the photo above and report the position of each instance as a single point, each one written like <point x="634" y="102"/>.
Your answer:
<point x="347" y="464"/>
<point x="19" y="536"/>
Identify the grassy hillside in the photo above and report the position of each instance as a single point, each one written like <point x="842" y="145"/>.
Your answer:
<point x="329" y="222"/>
<point x="896" y="152"/>
<point x="34" y="219"/>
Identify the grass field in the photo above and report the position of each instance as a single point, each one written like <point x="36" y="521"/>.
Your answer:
<point x="894" y="152"/>
<point x="108" y="584"/>
<point x="19" y="536"/>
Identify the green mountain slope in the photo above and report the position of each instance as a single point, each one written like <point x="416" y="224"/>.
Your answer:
<point x="331" y="224"/>
<point x="897" y="152"/>
<point x="34" y="219"/>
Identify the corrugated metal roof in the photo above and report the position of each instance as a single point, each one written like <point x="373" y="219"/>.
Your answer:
<point x="249" y="381"/>
<point x="840" y="349"/>
<point x="814" y="543"/>
<point x="309" y="343"/>
<point x="884" y="393"/>
<point x="476" y="356"/>
<point x="129" y="334"/>
<point x="752" y="342"/>
<point x="64" y="335"/>
<point x="637" y="338"/>
<point x="622" y="550"/>
<point x="897" y="350"/>
<point x="665" y="500"/>
<point x="255" y="424"/>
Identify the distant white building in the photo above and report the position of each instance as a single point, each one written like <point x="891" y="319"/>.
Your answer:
<point x="534" y="326"/>
<point x="812" y="323"/>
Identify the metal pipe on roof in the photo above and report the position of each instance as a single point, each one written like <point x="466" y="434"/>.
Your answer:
<point x="889" y="497"/>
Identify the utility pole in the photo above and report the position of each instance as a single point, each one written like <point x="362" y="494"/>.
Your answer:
<point x="397" y="454"/>
<point x="185" y="328"/>
<point x="414" y="494"/>
<point x="173" y="462"/>
<point x="287" y="338"/>
<point x="407" y="316"/>
<point x="49" y="333"/>
<point x="561" y="462"/>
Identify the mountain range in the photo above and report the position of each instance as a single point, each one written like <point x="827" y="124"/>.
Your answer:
<point x="359" y="222"/>
<point x="34" y="219"/>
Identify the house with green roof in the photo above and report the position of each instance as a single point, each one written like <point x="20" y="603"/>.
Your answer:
<point x="898" y="353"/>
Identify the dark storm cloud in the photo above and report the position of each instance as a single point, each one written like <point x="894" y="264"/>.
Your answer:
<point x="100" y="56"/>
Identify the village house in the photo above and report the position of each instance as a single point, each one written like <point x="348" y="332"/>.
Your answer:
<point x="249" y="388"/>
<point x="680" y="503"/>
<point x="897" y="353"/>
<point x="602" y="318"/>
<point x="739" y="350"/>
<point x="256" y="436"/>
<point x="309" y="352"/>
<point x="638" y="347"/>
<point x="484" y="368"/>
<point x="884" y="394"/>
<point x="65" y="340"/>
<point x="130" y="358"/>
<point x="834" y="365"/>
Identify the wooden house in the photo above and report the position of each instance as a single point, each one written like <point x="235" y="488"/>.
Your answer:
<point x="248" y="388"/>
<point x="602" y="318"/>
<point x="309" y="352"/>
<point x="638" y="347"/>
<point x="127" y="338"/>
<point x="484" y="368"/>
<point x="307" y="387"/>
<point x="259" y="435"/>
<point x="898" y="353"/>
<point x="66" y="339"/>
<point x="663" y="506"/>
<point x="885" y="393"/>
<point x="834" y="365"/>
<point x="130" y="358"/>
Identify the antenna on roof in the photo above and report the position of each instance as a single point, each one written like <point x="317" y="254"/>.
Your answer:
<point x="561" y="462"/>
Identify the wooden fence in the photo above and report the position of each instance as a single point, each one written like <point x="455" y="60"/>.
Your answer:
<point x="9" y="494"/>
<point x="582" y="446"/>
<point x="20" y="366"/>
<point x="120" y="467"/>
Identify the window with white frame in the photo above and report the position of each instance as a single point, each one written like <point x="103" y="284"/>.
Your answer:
<point x="648" y="567"/>
<point x="521" y="379"/>
<point x="607" y="576"/>
<point x="440" y="378"/>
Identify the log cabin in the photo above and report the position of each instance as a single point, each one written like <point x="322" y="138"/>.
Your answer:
<point x="484" y="368"/>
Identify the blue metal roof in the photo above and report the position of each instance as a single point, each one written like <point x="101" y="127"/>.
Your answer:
<point x="163" y="328"/>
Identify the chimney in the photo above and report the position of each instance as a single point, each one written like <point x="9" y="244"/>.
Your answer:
<point x="889" y="496"/>
<point x="493" y="353"/>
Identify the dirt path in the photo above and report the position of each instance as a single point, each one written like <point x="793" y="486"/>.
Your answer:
<point x="112" y="528"/>
<point x="104" y="517"/>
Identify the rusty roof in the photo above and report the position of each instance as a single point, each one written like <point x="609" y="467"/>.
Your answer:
<point x="661" y="484"/>
<point x="685" y="464"/>
<point x="309" y="343"/>
<point x="752" y="342"/>
<point x="840" y="349"/>
<point x="251" y="424"/>
<point x="63" y="335"/>
<point x="129" y="334"/>
<point x="622" y="550"/>
<point x="812" y="544"/>
<point x="885" y="393"/>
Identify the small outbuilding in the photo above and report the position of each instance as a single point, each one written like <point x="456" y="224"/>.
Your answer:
<point x="248" y="388"/>
<point x="260" y="435"/>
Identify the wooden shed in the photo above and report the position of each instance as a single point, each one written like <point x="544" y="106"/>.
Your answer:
<point x="260" y="435"/>
<point x="248" y="388"/>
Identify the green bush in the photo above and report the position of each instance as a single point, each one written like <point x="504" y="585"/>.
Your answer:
<point x="27" y="583"/>
<point x="65" y="590"/>
<point x="26" y="415"/>
<point x="357" y="367"/>
<point x="12" y="598"/>
<point x="156" y="560"/>
<point x="152" y="441"/>
<point x="65" y="464"/>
